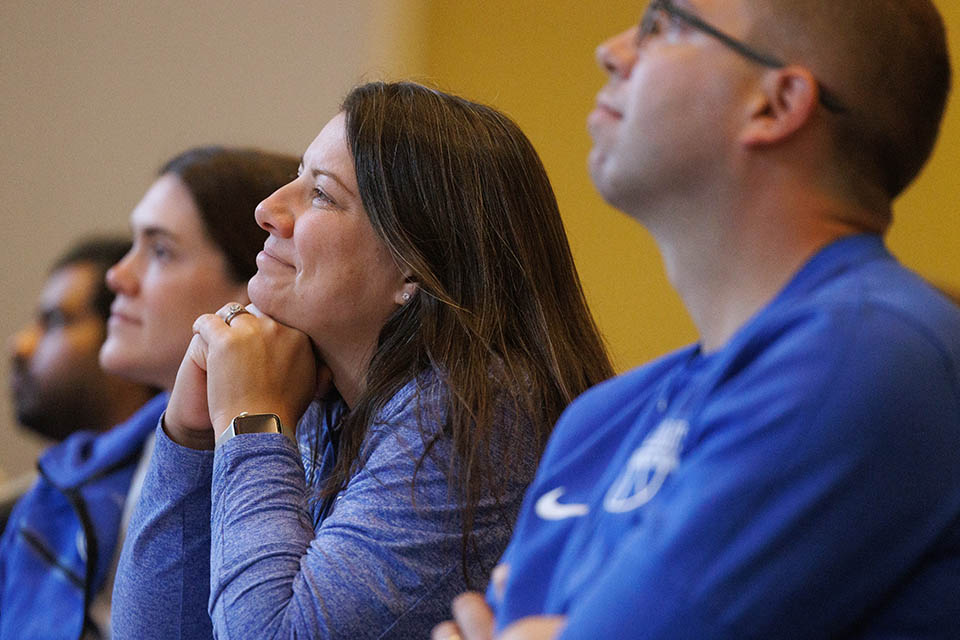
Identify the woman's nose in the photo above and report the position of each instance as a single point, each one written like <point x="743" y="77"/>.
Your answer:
<point x="121" y="277"/>
<point x="273" y="214"/>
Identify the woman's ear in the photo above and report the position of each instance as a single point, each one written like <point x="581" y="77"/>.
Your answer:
<point x="787" y="99"/>
<point x="408" y="289"/>
<point x="406" y="292"/>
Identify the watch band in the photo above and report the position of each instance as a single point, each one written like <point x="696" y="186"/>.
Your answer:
<point x="251" y="423"/>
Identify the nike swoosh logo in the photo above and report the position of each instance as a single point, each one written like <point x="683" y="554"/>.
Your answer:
<point x="548" y="506"/>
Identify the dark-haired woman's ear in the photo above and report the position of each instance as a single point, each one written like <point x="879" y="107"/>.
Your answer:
<point x="406" y="292"/>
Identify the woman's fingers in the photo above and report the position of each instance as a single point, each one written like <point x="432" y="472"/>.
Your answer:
<point x="231" y="311"/>
<point x="187" y="419"/>
<point x="197" y="351"/>
<point x="256" y="365"/>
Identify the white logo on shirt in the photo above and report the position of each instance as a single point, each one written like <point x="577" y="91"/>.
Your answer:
<point x="648" y="467"/>
<point x="549" y="507"/>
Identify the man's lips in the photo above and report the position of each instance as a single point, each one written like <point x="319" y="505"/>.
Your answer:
<point x="18" y="378"/>
<point x="603" y="111"/>
<point x="21" y="382"/>
<point x="607" y="108"/>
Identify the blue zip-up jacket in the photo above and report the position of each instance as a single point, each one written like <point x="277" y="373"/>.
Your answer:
<point x="61" y="537"/>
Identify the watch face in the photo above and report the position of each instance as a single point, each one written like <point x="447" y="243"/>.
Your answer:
<point x="257" y="423"/>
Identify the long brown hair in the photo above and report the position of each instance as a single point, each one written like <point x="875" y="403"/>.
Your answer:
<point x="459" y="196"/>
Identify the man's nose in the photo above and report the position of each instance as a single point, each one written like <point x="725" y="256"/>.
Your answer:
<point x="22" y="344"/>
<point x="618" y="54"/>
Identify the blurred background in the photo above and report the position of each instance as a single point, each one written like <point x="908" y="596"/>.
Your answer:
<point x="96" y="95"/>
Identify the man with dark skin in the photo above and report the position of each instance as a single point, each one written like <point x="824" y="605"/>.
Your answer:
<point x="794" y="473"/>
<point x="57" y="384"/>
<point x="61" y="392"/>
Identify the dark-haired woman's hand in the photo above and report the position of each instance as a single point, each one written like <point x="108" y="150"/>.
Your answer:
<point x="187" y="418"/>
<point x="257" y="365"/>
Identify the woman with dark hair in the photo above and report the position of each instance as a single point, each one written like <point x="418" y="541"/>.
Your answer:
<point x="418" y="288"/>
<point x="194" y="245"/>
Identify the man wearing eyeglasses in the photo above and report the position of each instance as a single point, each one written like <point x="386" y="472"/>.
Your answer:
<point x="795" y="473"/>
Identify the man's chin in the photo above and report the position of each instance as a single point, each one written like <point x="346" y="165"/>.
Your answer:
<point x="40" y="425"/>
<point x="25" y="418"/>
<point x="602" y="175"/>
<point x="596" y="160"/>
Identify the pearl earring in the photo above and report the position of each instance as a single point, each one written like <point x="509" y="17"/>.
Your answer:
<point x="406" y="296"/>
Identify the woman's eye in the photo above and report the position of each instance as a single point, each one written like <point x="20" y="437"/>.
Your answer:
<point x="160" y="252"/>
<point x="320" y="198"/>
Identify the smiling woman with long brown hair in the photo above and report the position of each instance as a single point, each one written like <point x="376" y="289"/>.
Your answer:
<point x="417" y="327"/>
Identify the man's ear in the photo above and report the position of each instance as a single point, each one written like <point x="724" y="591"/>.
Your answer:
<point x="786" y="100"/>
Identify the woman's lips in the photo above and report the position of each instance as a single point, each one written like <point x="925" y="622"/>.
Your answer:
<point x="266" y="260"/>
<point x="121" y="318"/>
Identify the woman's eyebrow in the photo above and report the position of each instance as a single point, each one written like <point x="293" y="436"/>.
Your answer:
<point x="157" y="232"/>
<point x="314" y="172"/>
<point x="332" y="176"/>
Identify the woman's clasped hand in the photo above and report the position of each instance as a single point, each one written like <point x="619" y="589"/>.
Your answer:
<point x="253" y="365"/>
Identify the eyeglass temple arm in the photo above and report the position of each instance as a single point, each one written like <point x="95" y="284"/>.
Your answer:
<point x="827" y="99"/>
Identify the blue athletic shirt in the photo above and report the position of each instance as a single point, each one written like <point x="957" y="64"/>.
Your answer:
<point x="241" y="534"/>
<point x="802" y="481"/>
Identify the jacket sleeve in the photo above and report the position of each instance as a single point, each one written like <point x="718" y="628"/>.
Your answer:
<point x="383" y="563"/>
<point x="6" y="537"/>
<point x="819" y="481"/>
<point x="163" y="575"/>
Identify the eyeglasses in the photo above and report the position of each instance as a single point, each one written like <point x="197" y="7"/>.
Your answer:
<point x="659" y="12"/>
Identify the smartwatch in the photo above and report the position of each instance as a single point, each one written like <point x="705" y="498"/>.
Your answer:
<point x="251" y="423"/>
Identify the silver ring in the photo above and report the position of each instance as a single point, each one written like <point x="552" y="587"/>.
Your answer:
<point x="233" y="311"/>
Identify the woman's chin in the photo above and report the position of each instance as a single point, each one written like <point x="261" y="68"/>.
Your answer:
<point x="116" y="360"/>
<point x="258" y="289"/>
<point x="264" y="297"/>
<point x="112" y="358"/>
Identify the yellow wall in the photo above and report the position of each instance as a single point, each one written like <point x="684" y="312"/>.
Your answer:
<point x="534" y="60"/>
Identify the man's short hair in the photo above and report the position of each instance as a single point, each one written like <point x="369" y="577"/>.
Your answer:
<point x="888" y="62"/>
<point x="102" y="252"/>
